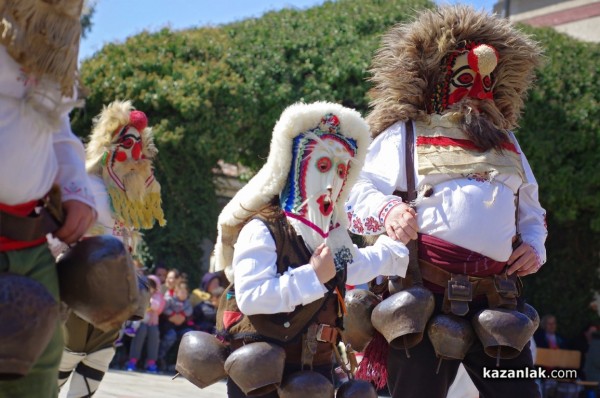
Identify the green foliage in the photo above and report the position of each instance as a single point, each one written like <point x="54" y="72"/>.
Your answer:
<point x="216" y="93"/>
<point x="561" y="136"/>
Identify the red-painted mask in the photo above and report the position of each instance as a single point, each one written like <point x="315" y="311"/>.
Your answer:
<point x="469" y="73"/>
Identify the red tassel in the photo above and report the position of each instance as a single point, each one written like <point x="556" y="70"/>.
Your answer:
<point x="373" y="367"/>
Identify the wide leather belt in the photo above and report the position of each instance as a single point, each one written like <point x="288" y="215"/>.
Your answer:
<point x="35" y="226"/>
<point x="500" y="290"/>
<point x="27" y="228"/>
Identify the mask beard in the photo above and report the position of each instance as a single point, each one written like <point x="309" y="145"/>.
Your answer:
<point x="476" y="122"/>
<point x="135" y="177"/>
<point x="139" y="205"/>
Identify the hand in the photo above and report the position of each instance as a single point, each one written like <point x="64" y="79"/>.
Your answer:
<point x="322" y="263"/>
<point x="79" y="217"/>
<point x="401" y="223"/>
<point x="523" y="260"/>
<point x="177" y="319"/>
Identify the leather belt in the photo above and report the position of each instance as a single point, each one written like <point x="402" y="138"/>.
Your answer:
<point x="500" y="290"/>
<point x="27" y="228"/>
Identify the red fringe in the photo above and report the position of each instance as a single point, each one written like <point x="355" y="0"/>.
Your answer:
<point x="373" y="367"/>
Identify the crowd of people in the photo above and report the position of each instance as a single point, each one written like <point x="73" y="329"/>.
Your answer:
<point x="172" y="311"/>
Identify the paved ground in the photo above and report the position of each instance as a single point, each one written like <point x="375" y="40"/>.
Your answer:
<point x="122" y="384"/>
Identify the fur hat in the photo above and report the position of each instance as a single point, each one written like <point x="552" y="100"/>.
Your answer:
<point x="271" y="178"/>
<point x="43" y="37"/>
<point x="409" y="64"/>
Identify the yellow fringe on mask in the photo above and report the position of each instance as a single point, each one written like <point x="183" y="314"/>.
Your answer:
<point x="137" y="214"/>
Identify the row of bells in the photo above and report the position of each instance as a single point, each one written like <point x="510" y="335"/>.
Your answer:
<point x="257" y="368"/>
<point x="405" y="316"/>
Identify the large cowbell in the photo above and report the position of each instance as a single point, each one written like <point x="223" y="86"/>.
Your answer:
<point x="358" y="329"/>
<point x="451" y="336"/>
<point x="503" y="332"/>
<point x="98" y="281"/>
<point x="201" y="358"/>
<point x="401" y="318"/>
<point x="257" y="368"/>
<point x="304" y="384"/>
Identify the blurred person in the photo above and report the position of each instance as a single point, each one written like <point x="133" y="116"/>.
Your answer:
<point x="546" y="336"/>
<point x="148" y="330"/>
<point x="591" y="367"/>
<point x="581" y="343"/>
<point x="43" y="175"/>
<point x="119" y="162"/>
<point x="177" y="312"/>
<point x="205" y="312"/>
<point x="161" y="272"/>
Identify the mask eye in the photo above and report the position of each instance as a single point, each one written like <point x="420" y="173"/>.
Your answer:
<point x="324" y="164"/>
<point x="465" y="79"/>
<point x="342" y="170"/>
<point x="487" y="82"/>
<point x="127" y="143"/>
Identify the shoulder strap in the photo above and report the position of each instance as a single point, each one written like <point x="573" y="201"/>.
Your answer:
<point x="409" y="155"/>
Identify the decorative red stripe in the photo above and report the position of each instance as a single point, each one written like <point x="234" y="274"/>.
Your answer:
<point x="462" y="143"/>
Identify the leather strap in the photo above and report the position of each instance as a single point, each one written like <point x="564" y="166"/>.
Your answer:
<point x="27" y="228"/>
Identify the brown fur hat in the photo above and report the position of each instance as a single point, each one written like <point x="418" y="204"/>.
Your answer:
<point x="408" y="65"/>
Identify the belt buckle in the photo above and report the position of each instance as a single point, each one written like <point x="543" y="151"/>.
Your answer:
<point x="505" y="286"/>
<point x="460" y="288"/>
<point x="319" y="334"/>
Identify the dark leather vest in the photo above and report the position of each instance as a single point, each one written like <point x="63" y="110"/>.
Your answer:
<point x="284" y="329"/>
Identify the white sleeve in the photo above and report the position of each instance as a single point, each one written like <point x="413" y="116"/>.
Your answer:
<point x="371" y="197"/>
<point x="385" y="257"/>
<point x="532" y="217"/>
<point x="258" y="287"/>
<point x="72" y="177"/>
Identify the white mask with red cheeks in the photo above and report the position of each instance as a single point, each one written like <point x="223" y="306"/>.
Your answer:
<point x="320" y="163"/>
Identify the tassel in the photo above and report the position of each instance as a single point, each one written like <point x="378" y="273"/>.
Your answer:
<point x="373" y="367"/>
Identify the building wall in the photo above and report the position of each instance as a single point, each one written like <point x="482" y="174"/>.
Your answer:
<point x="577" y="18"/>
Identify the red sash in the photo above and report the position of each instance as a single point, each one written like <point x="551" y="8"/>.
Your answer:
<point x="455" y="259"/>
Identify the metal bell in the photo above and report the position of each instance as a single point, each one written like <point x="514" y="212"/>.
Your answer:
<point x="201" y="358"/>
<point x="304" y="384"/>
<point x="358" y="329"/>
<point x="356" y="389"/>
<point x="504" y="332"/>
<point x="28" y="319"/>
<point x="98" y="281"/>
<point x="450" y="335"/>
<point x="402" y="317"/>
<point x="257" y="368"/>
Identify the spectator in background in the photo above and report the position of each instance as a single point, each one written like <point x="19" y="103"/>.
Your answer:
<point x="171" y="281"/>
<point x="546" y="336"/>
<point x="161" y="272"/>
<point x="581" y="343"/>
<point x="592" y="363"/>
<point x="178" y="311"/>
<point x="148" y="328"/>
<point x="205" y="312"/>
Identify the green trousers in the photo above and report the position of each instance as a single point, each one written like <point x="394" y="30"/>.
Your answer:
<point x="41" y="382"/>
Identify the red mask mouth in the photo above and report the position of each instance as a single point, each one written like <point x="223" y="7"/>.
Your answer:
<point x="325" y="205"/>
